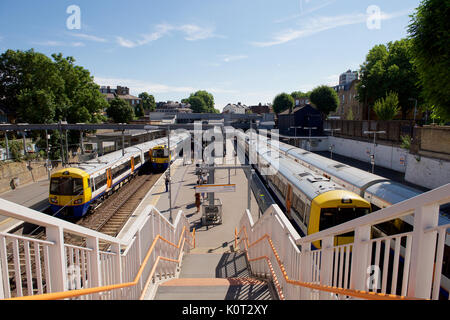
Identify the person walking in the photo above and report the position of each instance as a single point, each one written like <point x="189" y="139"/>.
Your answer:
<point x="167" y="182"/>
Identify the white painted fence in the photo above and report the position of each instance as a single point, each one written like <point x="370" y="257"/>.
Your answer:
<point x="415" y="258"/>
<point x="29" y="266"/>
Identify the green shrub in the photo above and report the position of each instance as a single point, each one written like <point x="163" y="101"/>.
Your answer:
<point x="387" y="108"/>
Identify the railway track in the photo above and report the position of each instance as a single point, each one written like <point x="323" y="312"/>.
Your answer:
<point x="108" y="218"/>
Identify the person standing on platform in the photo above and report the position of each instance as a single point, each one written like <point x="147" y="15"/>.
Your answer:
<point x="197" y="201"/>
<point x="167" y="182"/>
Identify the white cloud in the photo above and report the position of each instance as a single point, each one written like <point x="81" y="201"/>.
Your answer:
<point x="230" y="58"/>
<point x="51" y="43"/>
<point x="88" y="37"/>
<point x="191" y="33"/>
<point x="138" y="86"/>
<point x="305" y="9"/>
<point x="319" y="24"/>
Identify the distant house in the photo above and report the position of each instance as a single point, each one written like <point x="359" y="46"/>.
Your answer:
<point x="235" y="108"/>
<point x="261" y="109"/>
<point x="349" y="106"/>
<point x="120" y="92"/>
<point x="293" y="122"/>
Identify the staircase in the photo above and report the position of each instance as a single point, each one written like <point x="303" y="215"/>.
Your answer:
<point x="206" y="276"/>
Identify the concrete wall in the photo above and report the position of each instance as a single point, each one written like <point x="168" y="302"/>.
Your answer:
<point x="24" y="172"/>
<point x="428" y="172"/>
<point x="385" y="156"/>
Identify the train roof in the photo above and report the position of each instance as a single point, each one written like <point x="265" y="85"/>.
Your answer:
<point x="100" y="163"/>
<point x="392" y="192"/>
<point x="358" y="178"/>
<point x="71" y="171"/>
<point x="311" y="184"/>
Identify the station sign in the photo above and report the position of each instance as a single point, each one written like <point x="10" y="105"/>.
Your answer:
<point x="222" y="188"/>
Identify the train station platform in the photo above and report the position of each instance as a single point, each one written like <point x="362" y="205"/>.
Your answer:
<point x="218" y="238"/>
<point x="33" y="196"/>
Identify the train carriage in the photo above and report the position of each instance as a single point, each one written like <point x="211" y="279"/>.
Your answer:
<point x="379" y="191"/>
<point x="313" y="202"/>
<point x="73" y="191"/>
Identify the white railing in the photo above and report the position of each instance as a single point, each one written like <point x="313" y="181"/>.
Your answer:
<point x="30" y="267"/>
<point x="399" y="266"/>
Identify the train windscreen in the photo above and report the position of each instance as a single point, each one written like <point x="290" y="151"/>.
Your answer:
<point x="331" y="217"/>
<point x="160" y="153"/>
<point x="66" y="186"/>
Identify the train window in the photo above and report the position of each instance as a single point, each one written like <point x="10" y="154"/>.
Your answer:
<point x="330" y="217"/>
<point x="78" y="186"/>
<point x="66" y="186"/>
<point x="299" y="206"/>
<point x="160" y="153"/>
<point x="100" y="181"/>
<point x="137" y="160"/>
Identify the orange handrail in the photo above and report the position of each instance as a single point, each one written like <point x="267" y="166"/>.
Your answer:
<point x="83" y="292"/>
<point x="346" y="292"/>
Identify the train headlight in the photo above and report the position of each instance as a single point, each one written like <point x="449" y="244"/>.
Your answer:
<point x="79" y="201"/>
<point x="54" y="200"/>
<point x="347" y="200"/>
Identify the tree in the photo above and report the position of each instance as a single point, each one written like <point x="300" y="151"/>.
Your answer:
<point x="300" y="94"/>
<point x="389" y="68"/>
<point x="198" y="105"/>
<point x="387" y="109"/>
<point x="429" y="32"/>
<point x="139" y="110"/>
<point x="325" y="99"/>
<point x="207" y="104"/>
<point x="42" y="90"/>
<point x="120" y="111"/>
<point x="148" y="101"/>
<point x="283" y="102"/>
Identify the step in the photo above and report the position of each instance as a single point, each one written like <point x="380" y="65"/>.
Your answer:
<point x="227" y="265"/>
<point x="214" y="289"/>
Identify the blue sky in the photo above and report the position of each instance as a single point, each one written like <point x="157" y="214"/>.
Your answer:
<point x="240" y="50"/>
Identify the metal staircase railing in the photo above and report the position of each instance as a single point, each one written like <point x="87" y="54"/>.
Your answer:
<point x="364" y="269"/>
<point x="127" y="270"/>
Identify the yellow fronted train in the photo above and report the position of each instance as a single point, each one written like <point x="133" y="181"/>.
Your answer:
<point x="312" y="202"/>
<point x="73" y="191"/>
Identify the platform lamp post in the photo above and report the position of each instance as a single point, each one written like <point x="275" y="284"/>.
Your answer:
<point x="310" y="130"/>
<point x="372" y="156"/>
<point x="332" y="135"/>
<point x="296" y="133"/>
<point x="7" y="145"/>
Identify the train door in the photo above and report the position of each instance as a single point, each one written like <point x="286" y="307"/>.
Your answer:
<point x="289" y="201"/>
<point x="108" y="178"/>
<point x="132" y="164"/>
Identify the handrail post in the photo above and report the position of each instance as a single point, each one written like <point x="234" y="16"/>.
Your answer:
<point x="115" y="247"/>
<point x="58" y="271"/>
<point x="360" y="258"/>
<point x="139" y="257"/>
<point x="305" y="271"/>
<point x="326" y="272"/>
<point x="2" y="290"/>
<point x="95" y="278"/>
<point x="423" y="251"/>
